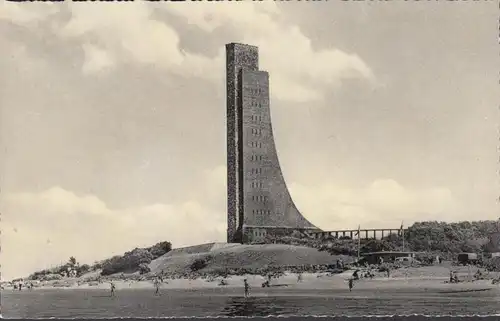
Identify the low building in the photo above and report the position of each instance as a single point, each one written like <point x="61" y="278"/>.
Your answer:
<point x="386" y="256"/>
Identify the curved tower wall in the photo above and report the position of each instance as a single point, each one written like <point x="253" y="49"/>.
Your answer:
<point x="259" y="202"/>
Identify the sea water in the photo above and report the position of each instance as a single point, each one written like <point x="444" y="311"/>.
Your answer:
<point x="90" y="303"/>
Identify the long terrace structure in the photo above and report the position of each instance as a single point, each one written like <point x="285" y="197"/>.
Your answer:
<point x="376" y="233"/>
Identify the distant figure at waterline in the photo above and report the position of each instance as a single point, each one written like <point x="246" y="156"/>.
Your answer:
<point x="112" y="288"/>
<point x="157" y="286"/>
<point x="247" y="287"/>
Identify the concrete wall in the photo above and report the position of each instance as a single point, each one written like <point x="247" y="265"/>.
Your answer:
<point x="267" y="201"/>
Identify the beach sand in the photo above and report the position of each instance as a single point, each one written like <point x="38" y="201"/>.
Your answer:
<point x="422" y="278"/>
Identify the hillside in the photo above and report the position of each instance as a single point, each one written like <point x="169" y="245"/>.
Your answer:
<point x="227" y="257"/>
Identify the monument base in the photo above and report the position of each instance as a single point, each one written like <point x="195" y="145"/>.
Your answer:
<point x="259" y="234"/>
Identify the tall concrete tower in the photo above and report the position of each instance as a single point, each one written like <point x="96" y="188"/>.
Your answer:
<point x="258" y="199"/>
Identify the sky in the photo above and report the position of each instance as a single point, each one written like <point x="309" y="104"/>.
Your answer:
<point x="112" y="118"/>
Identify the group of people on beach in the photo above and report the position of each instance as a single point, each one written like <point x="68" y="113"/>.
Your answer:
<point x="157" y="281"/>
<point x="19" y="286"/>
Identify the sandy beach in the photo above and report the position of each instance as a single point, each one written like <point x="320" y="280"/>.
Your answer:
<point x="423" y="278"/>
<point x="413" y="290"/>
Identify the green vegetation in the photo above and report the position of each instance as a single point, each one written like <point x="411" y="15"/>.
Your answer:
<point x="71" y="268"/>
<point x="200" y="263"/>
<point x="439" y="238"/>
<point x="135" y="260"/>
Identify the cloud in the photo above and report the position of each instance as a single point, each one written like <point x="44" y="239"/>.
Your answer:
<point x="19" y="14"/>
<point x="382" y="204"/>
<point x="133" y="33"/>
<point x="41" y="229"/>
<point x="96" y="59"/>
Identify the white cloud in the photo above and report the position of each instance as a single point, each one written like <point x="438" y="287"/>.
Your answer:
<point x="40" y="229"/>
<point x="20" y="14"/>
<point x="130" y="33"/>
<point x="298" y="72"/>
<point x="96" y="59"/>
<point x="381" y="204"/>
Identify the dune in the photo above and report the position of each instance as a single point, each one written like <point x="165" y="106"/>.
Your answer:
<point x="232" y="256"/>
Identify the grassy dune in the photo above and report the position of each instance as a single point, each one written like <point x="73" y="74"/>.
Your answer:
<point x="233" y="256"/>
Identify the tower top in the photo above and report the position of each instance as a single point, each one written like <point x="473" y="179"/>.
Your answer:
<point x="237" y="44"/>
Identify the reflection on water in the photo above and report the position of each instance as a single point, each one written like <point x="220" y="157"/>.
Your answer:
<point x="255" y="306"/>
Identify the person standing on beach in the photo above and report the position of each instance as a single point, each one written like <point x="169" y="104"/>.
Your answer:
<point x="351" y="284"/>
<point x="112" y="289"/>
<point x="157" y="286"/>
<point x="247" y="287"/>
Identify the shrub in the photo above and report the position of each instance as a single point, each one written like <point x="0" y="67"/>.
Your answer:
<point x="160" y="249"/>
<point x="128" y="263"/>
<point x="144" y="268"/>
<point x="199" y="264"/>
<point x="492" y="264"/>
<point x="82" y="269"/>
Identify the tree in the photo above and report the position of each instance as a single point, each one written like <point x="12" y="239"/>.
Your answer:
<point x="82" y="269"/>
<point x="72" y="261"/>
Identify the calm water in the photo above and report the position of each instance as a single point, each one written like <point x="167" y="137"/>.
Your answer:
<point x="229" y="302"/>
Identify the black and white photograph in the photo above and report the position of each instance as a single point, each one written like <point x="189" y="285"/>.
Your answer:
<point x="249" y="158"/>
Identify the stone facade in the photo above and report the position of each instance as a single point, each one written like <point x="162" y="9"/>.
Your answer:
<point x="258" y="199"/>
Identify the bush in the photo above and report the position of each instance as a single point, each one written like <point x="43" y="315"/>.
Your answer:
<point x="128" y="263"/>
<point x="82" y="269"/>
<point x="160" y="249"/>
<point x="199" y="264"/>
<point x="492" y="264"/>
<point x="378" y="246"/>
<point x="133" y="261"/>
<point x="144" y="268"/>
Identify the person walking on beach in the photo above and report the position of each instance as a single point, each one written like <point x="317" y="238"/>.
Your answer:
<point x="112" y="289"/>
<point x="247" y="287"/>
<point x="157" y="286"/>
<point x="351" y="284"/>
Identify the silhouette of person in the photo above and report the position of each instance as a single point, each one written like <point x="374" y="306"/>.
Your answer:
<point x="157" y="286"/>
<point x="351" y="284"/>
<point x="112" y="288"/>
<point x="247" y="287"/>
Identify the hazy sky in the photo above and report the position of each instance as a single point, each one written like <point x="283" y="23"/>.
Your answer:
<point x="113" y="118"/>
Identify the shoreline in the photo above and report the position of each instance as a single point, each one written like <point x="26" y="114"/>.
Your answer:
<point x="310" y="281"/>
